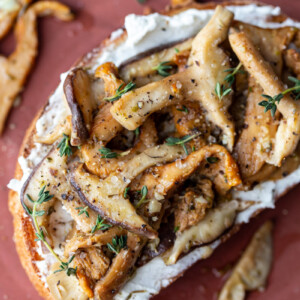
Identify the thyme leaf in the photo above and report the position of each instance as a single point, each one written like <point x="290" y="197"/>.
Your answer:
<point x="83" y="210"/>
<point x="184" y="109"/>
<point x="107" y="153"/>
<point x="100" y="225"/>
<point x="271" y="102"/>
<point x="44" y="196"/>
<point x="121" y="91"/>
<point x="117" y="244"/>
<point x="126" y="192"/>
<point x="64" y="146"/>
<point x="163" y="68"/>
<point x="222" y="90"/>
<point x="180" y="141"/>
<point x="65" y="266"/>
<point x="144" y="192"/>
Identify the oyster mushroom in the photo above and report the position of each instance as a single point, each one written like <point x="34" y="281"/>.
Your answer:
<point x="121" y="267"/>
<point x="208" y="63"/>
<point x="52" y="173"/>
<point x="82" y="103"/>
<point x="15" y="68"/>
<point x="216" y="221"/>
<point x="288" y="132"/>
<point x="64" y="287"/>
<point x="8" y="14"/>
<point x="252" y="270"/>
<point x="106" y="196"/>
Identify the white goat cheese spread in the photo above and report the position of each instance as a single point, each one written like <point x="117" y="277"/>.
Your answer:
<point x="145" y="33"/>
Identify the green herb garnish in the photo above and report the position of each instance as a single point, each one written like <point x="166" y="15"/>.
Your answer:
<point x="176" y="50"/>
<point x="180" y="141"/>
<point x="144" y="192"/>
<point x="230" y="78"/>
<point x="100" y="225"/>
<point x="83" y="210"/>
<point x="126" y="192"/>
<point x="117" y="244"/>
<point x="221" y="90"/>
<point x="64" y="146"/>
<point x="137" y="132"/>
<point x="43" y="197"/>
<point x="183" y="108"/>
<point x="176" y="229"/>
<point x="64" y="266"/>
<point x="212" y="159"/>
<point x="121" y="91"/>
<point x="163" y="68"/>
<point x="107" y="153"/>
<point x="270" y="102"/>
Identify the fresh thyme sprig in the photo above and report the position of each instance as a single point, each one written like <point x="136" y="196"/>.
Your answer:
<point x="183" y="108"/>
<point x="83" y="210"/>
<point x="271" y="102"/>
<point x="100" y="225"/>
<point x="44" y="196"/>
<point x="144" y="192"/>
<point x="222" y="90"/>
<point x="117" y="244"/>
<point x="65" y="266"/>
<point x="230" y="78"/>
<point x="121" y="91"/>
<point x="107" y="153"/>
<point x="180" y="141"/>
<point x="64" y="146"/>
<point x="163" y="68"/>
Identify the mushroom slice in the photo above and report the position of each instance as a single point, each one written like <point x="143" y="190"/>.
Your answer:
<point x="15" y="69"/>
<point x="270" y="42"/>
<point x="292" y="60"/>
<point x="256" y="140"/>
<point x="163" y="178"/>
<point x="215" y="222"/>
<point x="92" y="264"/>
<point x="141" y="70"/>
<point x="102" y="167"/>
<point x="106" y="196"/>
<point x="8" y="13"/>
<point x="64" y="287"/>
<point x="105" y="127"/>
<point x="83" y="241"/>
<point x="196" y="83"/>
<point x="120" y="269"/>
<point x="288" y="132"/>
<point x="252" y="270"/>
<point x="52" y="173"/>
<point x="193" y="205"/>
<point x="80" y="98"/>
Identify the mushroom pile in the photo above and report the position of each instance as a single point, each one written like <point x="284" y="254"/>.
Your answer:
<point x="149" y="154"/>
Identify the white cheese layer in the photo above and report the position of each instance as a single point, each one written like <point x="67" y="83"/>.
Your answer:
<point x="145" y="33"/>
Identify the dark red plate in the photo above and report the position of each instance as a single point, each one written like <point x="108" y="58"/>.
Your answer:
<point x="60" y="45"/>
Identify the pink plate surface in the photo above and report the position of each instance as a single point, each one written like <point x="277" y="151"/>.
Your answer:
<point x="61" y="44"/>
